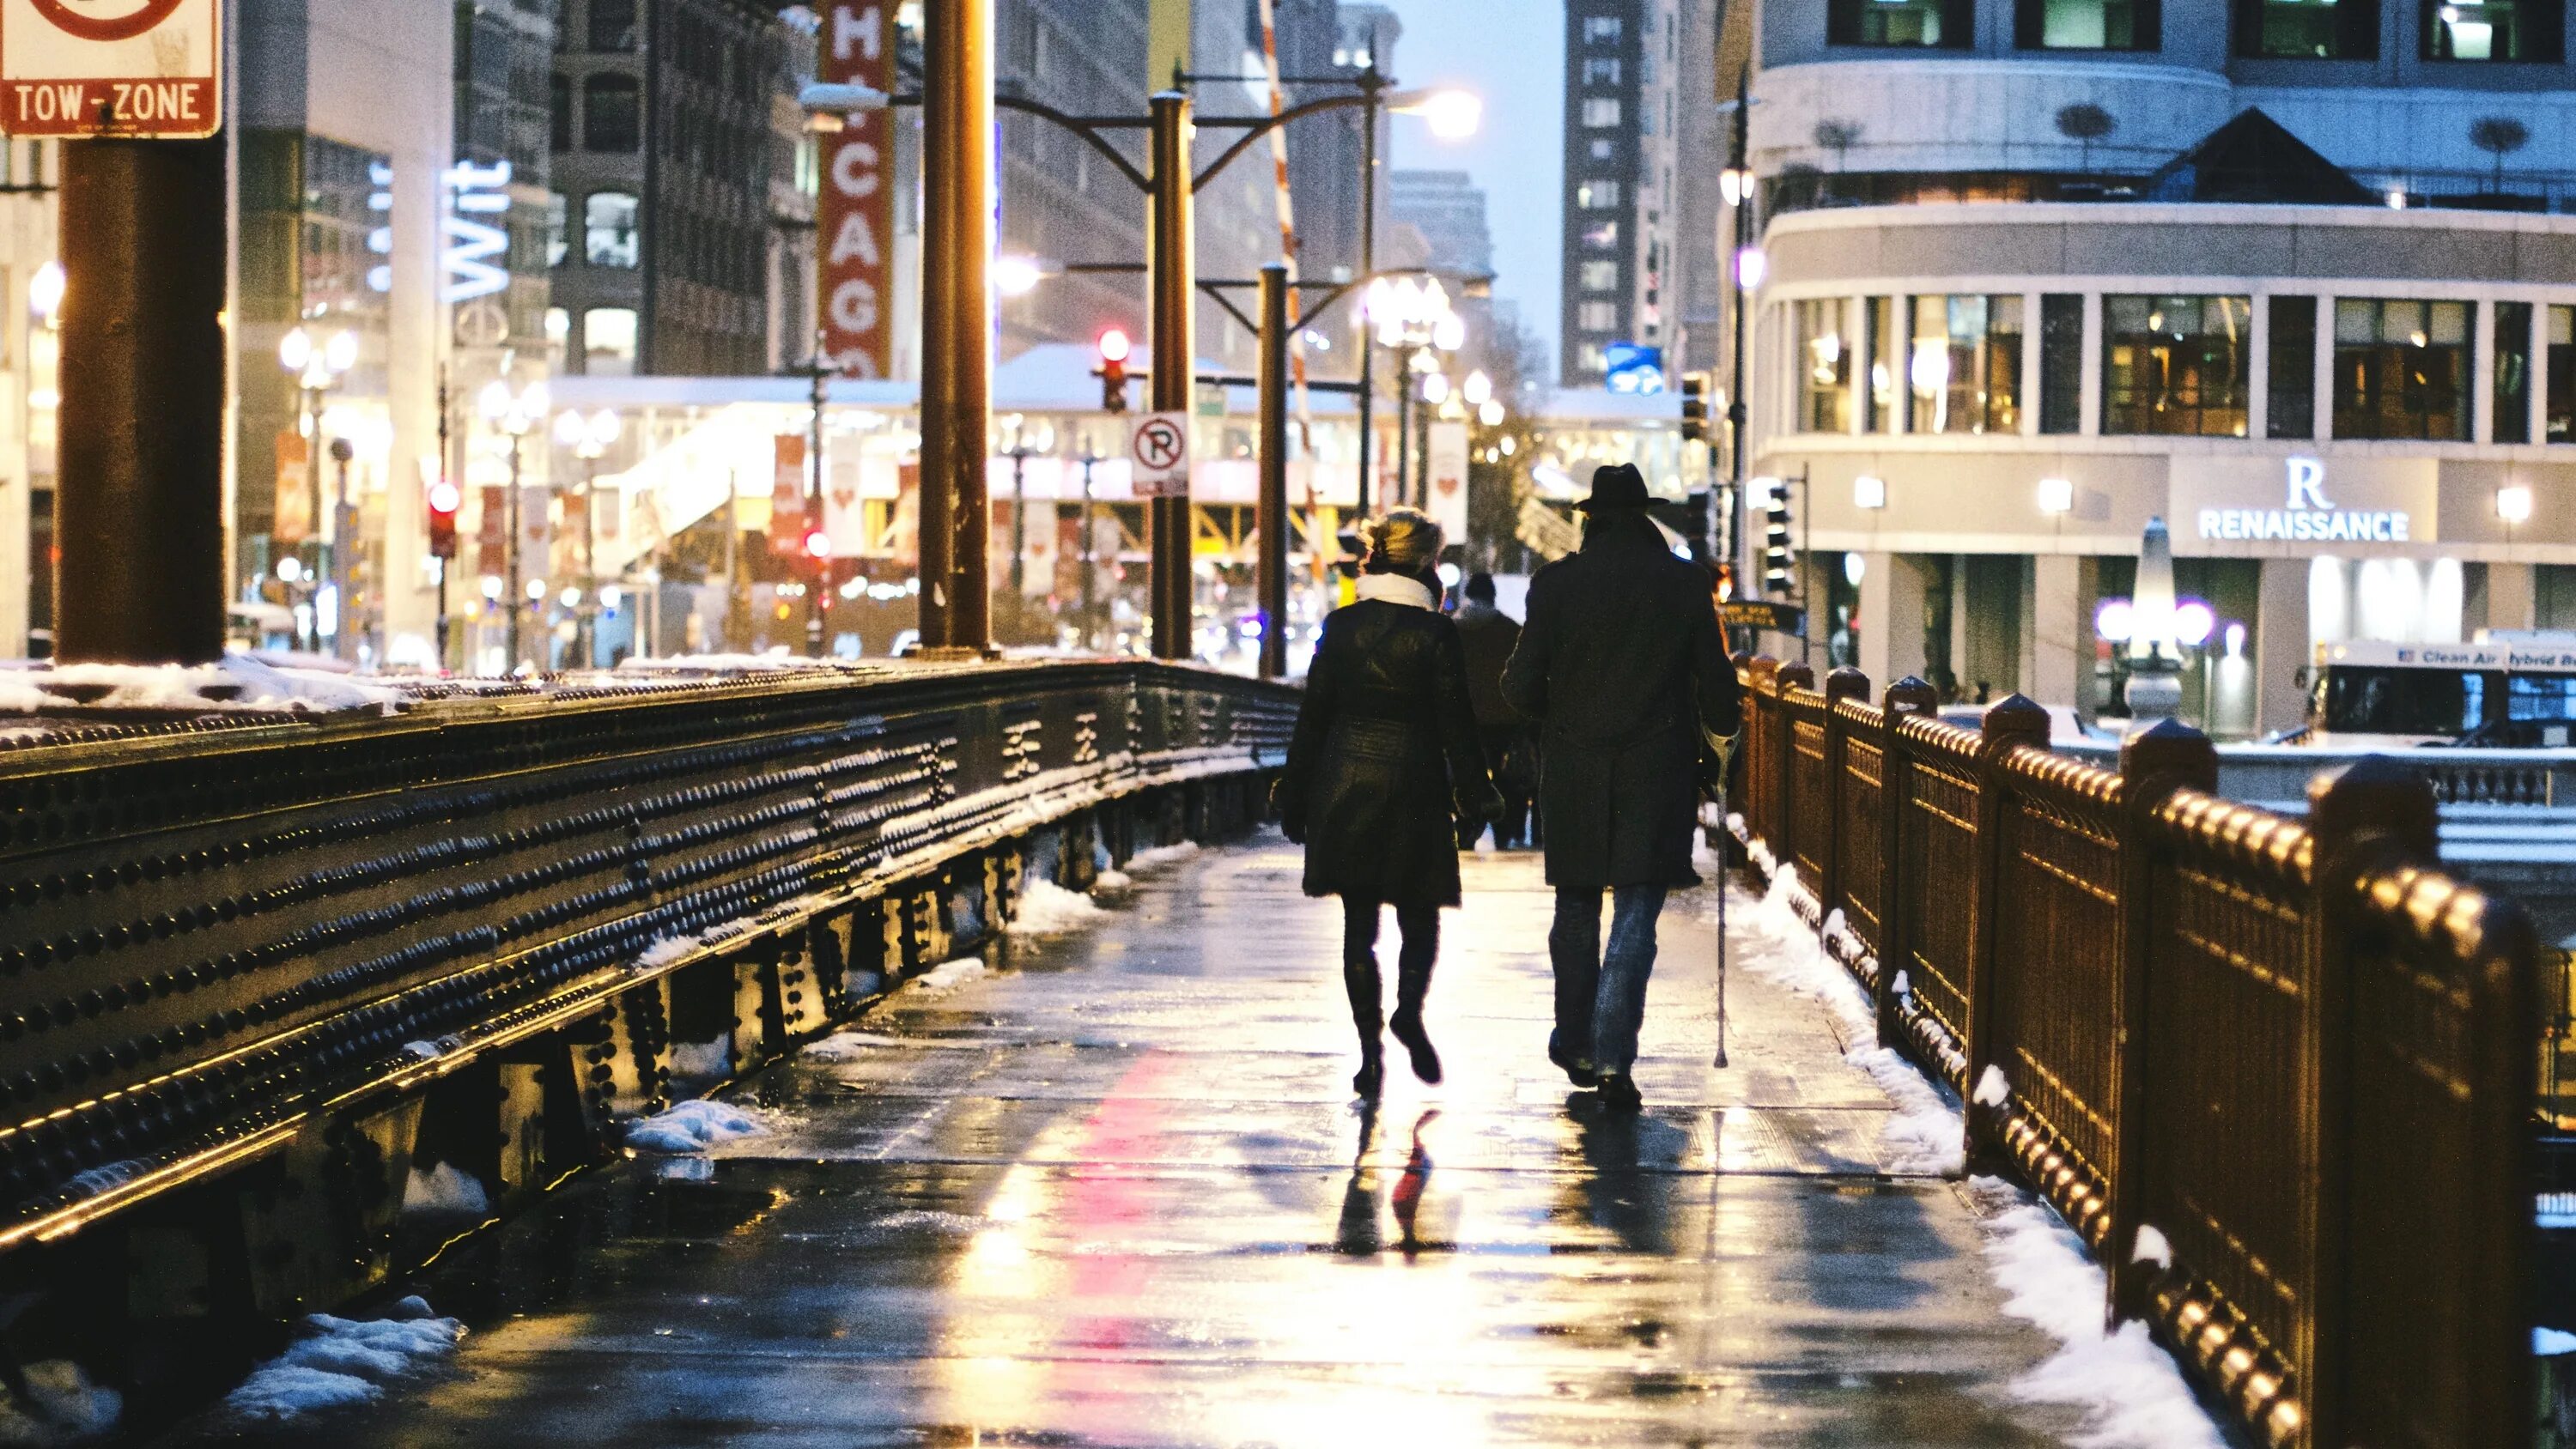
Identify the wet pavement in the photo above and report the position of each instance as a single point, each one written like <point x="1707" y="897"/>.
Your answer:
<point x="1117" y="1193"/>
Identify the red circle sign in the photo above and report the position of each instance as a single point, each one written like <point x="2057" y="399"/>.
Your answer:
<point x="136" y="20"/>
<point x="1159" y="443"/>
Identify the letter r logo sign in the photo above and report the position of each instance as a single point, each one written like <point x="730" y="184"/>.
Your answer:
<point x="2308" y="484"/>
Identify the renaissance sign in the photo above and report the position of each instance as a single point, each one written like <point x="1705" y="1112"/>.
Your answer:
<point x="2368" y="501"/>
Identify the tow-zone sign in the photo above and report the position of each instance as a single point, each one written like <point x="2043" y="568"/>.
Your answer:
<point x="111" y="67"/>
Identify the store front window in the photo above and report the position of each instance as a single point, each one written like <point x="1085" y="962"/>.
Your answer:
<point x="1947" y="24"/>
<point x="2558" y="408"/>
<point x="2292" y="361"/>
<point x="2512" y="363"/>
<point x="2308" y="29"/>
<point x="2401" y="369"/>
<point x="1886" y="376"/>
<point x="1964" y="368"/>
<point x="2508" y="30"/>
<point x="2175" y="365"/>
<point x="1825" y="347"/>
<point x="2086" y="25"/>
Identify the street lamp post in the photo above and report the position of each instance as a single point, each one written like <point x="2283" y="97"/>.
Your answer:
<point x="1021" y="442"/>
<point x="1416" y="321"/>
<point x="589" y="438"/>
<point x="514" y="414"/>
<point x="317" y="369"/>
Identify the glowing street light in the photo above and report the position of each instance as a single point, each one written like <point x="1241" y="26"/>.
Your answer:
<point x="1452" y="115"/>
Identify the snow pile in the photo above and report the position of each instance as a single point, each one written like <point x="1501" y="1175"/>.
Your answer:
<point x="1162" y="855"/>
<point x="1923" y="1135"/>
<point x="667" y="950"/>
<point x="60" y="1405"/>
<point x="239" y="682"/>
<point x="1047" y="909"/>
<point x="22" y="693"/>
<point x="693" y="1127"/>
<point x="701" y="1059"/>
<point x="445" y="1188"/>
<point x="1111" y="882"/>
<point x="948" y="975"/>
<point x="847" y="1046"/>
<point x="344" y="1361"/>
<point x="2132" y="1392"/>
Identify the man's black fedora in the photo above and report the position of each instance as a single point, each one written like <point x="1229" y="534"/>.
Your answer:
<point x="1616" y="485"/>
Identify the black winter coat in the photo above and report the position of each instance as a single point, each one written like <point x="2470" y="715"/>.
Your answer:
<point x="1385" y="742"/>
<point x="1624" y="663"/>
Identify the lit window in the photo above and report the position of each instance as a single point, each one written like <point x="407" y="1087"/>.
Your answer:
<point x="1597" y="316"/>
<point x="608" y="230"/>
<point x="1596" y="195"/>
<point x="1601" y="71"/>
<point x="1601" y="236"/>
<point x="1600" y="113"/>
<point x="1601" y="30"/>
<point x="2176" y="365"/>
<point x="1600" y="276"/>
<point x="608" y="341"/>
<point x="2308" y="29"/>
<point x="1964" y="368"/>
<point x="1824" y="362"/>
<point x="2401" y="369"/>
<point x="1942" y="23"/>
<point x="2085" y="25"/>
<point x="2528" y="30"/>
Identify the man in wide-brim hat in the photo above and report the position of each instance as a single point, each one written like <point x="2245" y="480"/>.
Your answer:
<point x="1624" y="666"/>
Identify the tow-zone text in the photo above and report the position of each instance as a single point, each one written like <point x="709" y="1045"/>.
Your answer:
<point x="46" y="107"/>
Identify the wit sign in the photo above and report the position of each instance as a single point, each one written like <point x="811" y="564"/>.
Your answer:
<point x="1158" y="447"/>
<point x="133" y="68"/>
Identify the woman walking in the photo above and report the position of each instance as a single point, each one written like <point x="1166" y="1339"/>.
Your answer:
<point x="1385" y="763"/>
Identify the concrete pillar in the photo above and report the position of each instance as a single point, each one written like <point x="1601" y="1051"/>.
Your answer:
<point x="1891" y="616"/>
<point x="2281" y="649"/>
<point x="1962" y="607"/>
<point x="2512" y="596"/>
<point x="2058" y="630"/>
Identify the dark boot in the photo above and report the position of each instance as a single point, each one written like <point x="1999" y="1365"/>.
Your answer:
<point x="1360" y="978"/>
<point x="1412" y="984"/>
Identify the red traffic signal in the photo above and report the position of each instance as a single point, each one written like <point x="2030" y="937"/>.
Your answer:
<point x="1114" y="348"/>
<point x="444" y="499"/>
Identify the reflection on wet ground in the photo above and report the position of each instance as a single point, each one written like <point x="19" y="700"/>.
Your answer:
<point x="1117" y="1194"/>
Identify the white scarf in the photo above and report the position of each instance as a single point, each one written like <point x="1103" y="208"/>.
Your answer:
<point x="1396" y="589"/>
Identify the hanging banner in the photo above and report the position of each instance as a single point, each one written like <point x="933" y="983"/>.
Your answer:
<point x="854" y="236"/>
<point x="1445" y="479"/>
<point x="292" y="520"/>
<point x="787" y="496"/>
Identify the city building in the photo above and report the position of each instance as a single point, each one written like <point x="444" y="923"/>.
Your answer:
<point x="1061" y="200"/>
<point x="1622" y="216"/>
<point x="343" y="125"/>
<point x="2296" y="278"/>
<point x="30" y="392"/>
<point x="664" y="128"/>
<point x="1333" y="44"/>
<point x="1448" y="209"/>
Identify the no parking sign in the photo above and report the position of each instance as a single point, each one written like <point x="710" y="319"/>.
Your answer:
<point x="132" y="68"/>
<point x="1159" y="448"/>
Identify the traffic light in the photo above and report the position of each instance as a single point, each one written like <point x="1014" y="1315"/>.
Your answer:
<point x="1113" y="371"/>
<point x="1779" y="559"/>
<point x="1694" y="407"/>
<point x="444" y="500"/>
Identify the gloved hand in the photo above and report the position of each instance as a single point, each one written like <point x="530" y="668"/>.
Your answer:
<point x="1290" y="806"/>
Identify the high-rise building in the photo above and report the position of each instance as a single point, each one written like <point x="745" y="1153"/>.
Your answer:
<point x="1448" y="209"/>
<point x="2289" y="275"/>
<point x="1622" y="108"/>
<point x="664" y="124"/>
<point x="1061" y="200"/>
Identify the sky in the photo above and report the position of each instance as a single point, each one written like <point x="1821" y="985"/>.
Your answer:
<point x="1511" y="52"/>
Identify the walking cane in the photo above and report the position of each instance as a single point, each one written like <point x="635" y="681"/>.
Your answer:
<point x="1723" y="746"/>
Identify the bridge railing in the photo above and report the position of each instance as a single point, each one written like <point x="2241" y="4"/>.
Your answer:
<point x="2278" y="1074"/>
<point x="254" y="976"/>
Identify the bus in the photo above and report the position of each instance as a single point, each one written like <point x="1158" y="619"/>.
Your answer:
<point x="2510" y="689"/>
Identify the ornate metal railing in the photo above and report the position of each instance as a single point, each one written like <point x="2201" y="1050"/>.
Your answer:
<point x="254" y="974"/>
<point x="2278" y="1074"/>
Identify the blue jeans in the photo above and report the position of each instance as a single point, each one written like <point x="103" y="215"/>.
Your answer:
<point x="1601" y="998"/>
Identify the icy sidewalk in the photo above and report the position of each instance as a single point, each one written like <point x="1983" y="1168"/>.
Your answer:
<point x="2132" y="1394"/>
